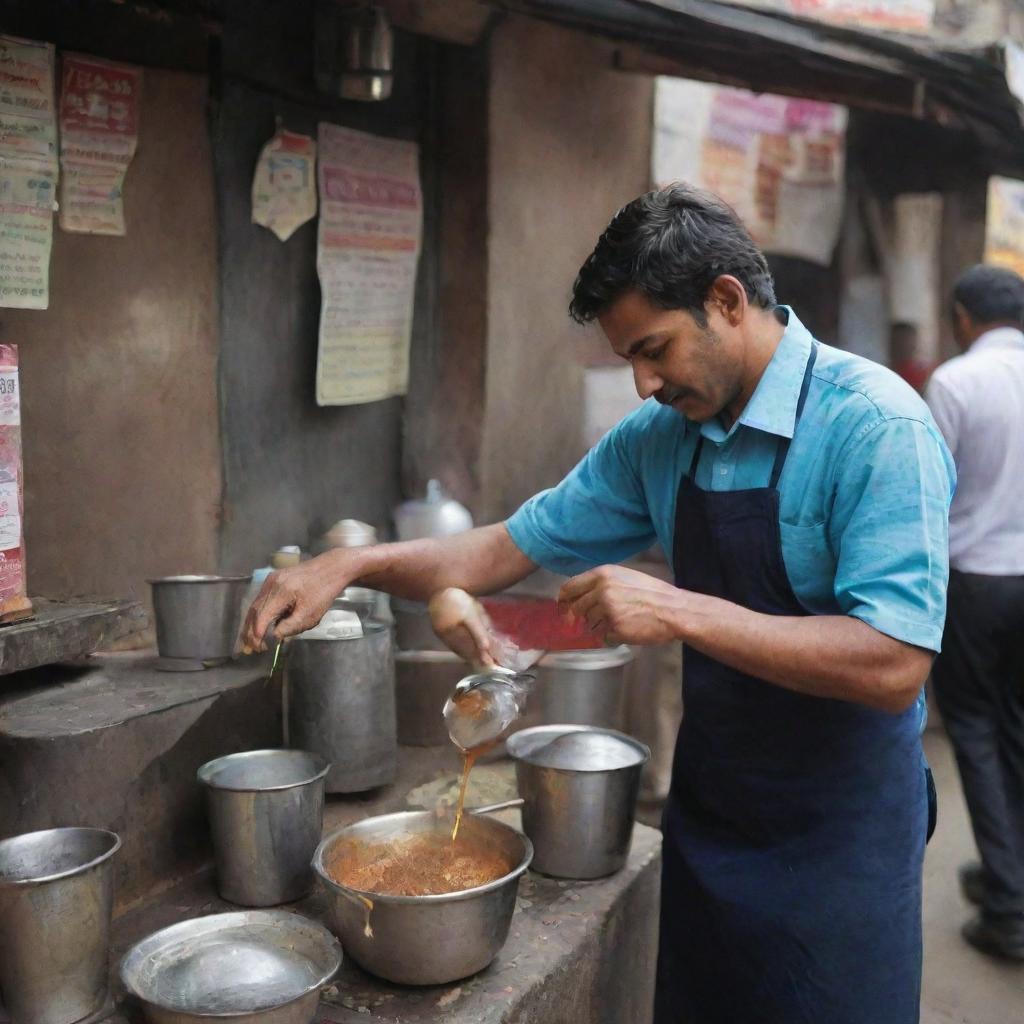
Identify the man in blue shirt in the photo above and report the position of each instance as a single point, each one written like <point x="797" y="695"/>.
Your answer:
<point x="801" y="495"/>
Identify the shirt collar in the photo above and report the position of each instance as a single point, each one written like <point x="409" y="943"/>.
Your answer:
<point x="999" y="337"/>
<point x="772" y="406"/>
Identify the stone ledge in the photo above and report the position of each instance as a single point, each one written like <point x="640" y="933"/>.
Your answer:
<point x="116" y="744"/>
<point x="62" y="631"/>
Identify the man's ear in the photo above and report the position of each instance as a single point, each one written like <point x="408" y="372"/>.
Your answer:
<point x="962" y="322"/>
<point x="728" y="296"/>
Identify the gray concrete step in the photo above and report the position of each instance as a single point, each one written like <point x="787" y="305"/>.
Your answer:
<point x="115" y="743"/>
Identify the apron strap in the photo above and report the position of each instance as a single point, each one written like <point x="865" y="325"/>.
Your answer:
<point x="783" y="448"/>
<point x="696" y="456"/>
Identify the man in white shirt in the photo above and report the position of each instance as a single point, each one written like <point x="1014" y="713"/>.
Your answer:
<point x="977" y="400"/>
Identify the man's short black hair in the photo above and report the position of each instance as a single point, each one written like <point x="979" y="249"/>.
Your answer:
<point x="671" y="245"/>
<point x="991" y="295"/>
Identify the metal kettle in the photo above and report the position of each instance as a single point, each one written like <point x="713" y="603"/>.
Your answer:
<point x="436" y="515"/>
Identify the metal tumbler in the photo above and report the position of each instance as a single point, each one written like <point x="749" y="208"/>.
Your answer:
<point x="266" y="811"/>
<point x="579" y="787"/>
<point x="56" y="894"/>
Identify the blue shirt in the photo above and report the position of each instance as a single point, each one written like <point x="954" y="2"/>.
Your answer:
<point x="864" y="496"/>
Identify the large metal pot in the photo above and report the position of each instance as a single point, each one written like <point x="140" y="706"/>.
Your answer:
<point x="580" y="688"/>
<point x="198" y="617"/>
<point x="425" y="940"/>
<point x="424" y="680"/>
<point x="341" y="705"/>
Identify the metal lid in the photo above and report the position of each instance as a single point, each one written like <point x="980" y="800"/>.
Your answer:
<point x="200" y="579"/>
<point x="577" y="748"/>
<point x="350" y="533"/>
<point x="317" y="635"/>
<point x="597" y="658"/>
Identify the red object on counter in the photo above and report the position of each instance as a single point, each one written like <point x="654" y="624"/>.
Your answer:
<point x="14" y="602"/>
<point x="537" y="623"/>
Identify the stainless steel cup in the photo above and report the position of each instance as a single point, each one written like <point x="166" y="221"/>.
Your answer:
<point x="56" y="893"/>
<point x="341" y="704"/>
<point x="266" y="810"/>
<point x="198" y="617"/>
<point x="579" y="787"/>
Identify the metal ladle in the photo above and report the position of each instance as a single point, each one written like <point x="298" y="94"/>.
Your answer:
<point x="484" y="705"/>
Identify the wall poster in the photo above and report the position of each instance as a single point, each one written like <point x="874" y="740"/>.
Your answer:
<point x="99" y="132"/>
<point x="1004" y="224"/>
<point x="778" y="162"/>
<point x="869" y="15"/>
<point x="284" y="185"/>
<point x="28" y="171"/>
<point x="368" y="244"/>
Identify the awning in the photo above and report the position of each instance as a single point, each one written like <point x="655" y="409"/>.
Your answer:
<point x="769" y="51"/>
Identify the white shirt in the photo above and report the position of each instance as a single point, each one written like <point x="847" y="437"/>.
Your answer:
<point x="977" y="400"/>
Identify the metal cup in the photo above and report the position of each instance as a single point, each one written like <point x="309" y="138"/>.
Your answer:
<point x="56" y="893"/>
<point x="266" y="811"/>
<point x="197" y="617"/>
<point x="579" y="797"/>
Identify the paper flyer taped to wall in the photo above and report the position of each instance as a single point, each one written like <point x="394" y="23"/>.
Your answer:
<point x="28" y="171"/>
<point x="368" y="244"/>
<point x="1004" y="224"/>
<point x="99" y="133"/>
<point x="779" y="162"/>
<point x="284" y="185"/>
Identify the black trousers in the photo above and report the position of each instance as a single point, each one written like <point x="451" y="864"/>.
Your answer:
<point x="979" y="686"/>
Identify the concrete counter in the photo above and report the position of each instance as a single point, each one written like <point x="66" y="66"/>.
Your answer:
<point x="577" y="952"/>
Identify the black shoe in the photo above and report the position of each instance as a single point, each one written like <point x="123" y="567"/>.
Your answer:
<point x="972" y="883"/>
<point x="1001" y="937"/>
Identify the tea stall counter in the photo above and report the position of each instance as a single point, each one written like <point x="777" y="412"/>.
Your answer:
<point x="555" y="965"/>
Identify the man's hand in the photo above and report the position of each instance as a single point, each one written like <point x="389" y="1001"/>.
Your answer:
<point x="461" y="622"/>
<point x="624" y="606"/>
<point x="294" y="600"/>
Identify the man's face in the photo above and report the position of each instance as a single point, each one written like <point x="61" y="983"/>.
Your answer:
<point x="697" y="370"/>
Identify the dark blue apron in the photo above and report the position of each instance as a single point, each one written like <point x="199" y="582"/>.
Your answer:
<point x="795" y="825"/>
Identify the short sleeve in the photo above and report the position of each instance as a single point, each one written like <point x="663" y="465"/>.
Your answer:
<point x="597" y="515"/>
<point x="889" y="529"/>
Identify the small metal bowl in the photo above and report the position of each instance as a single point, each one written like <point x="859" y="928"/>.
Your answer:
<point x="250" y="967"/>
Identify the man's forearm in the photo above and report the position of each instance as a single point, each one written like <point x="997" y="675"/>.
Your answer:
<point x="821" y="655"/>
<point x="481" y="561"/>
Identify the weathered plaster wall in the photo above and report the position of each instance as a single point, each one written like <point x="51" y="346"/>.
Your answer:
<point x="119" y="415"/>
<point x="569" y="144"/>
<point x="444" y="409"/>
<point x="292" y="468"/>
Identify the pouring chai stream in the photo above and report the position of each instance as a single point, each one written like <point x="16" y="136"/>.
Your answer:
<point x="518" y="632"/>
<point x="480" y="711"/>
